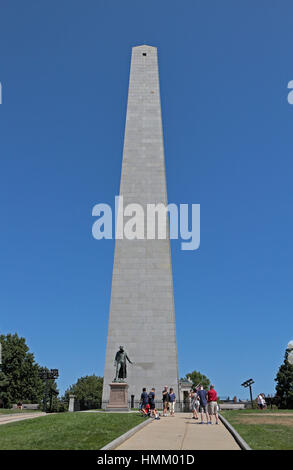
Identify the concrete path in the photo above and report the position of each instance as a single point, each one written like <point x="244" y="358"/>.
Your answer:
<point x="180" y="433"/>
<point x="5" y="419"/>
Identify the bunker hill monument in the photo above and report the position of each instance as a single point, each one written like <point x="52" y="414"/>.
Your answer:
<point x="142" y="307"/>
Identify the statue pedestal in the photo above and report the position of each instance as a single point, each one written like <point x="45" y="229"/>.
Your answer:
<point x="118" y="400"/>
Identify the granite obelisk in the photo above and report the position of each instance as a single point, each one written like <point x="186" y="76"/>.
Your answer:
<point x="142" y="307"/>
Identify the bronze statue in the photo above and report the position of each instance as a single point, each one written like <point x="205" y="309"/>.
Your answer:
<point x="120" y="364"/>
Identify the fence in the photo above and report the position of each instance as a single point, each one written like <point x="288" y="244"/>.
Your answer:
<point x="135" y="404"/>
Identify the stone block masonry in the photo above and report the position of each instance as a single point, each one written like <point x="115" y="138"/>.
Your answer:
<point x="142" y="307"/>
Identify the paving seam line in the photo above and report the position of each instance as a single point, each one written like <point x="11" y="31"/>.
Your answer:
<point x="119" y="440"/>
<point x="235" y="434"/>
<point x="184" y="435"/>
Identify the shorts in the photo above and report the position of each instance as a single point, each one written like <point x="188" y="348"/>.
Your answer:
<point x="152" y="406"/>
<point x="212" y="407"/>
<point x="165" y="404"/>
<point x="203" y="408"/>
<point x="194" y="405"/>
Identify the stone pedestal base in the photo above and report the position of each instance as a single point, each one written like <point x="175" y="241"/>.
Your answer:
<point x="118" y="400"/>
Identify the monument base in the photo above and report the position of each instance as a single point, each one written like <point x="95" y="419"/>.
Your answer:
<point x="118" y="400"/>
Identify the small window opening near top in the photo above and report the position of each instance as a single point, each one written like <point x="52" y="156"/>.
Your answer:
<point x="144" y="53"/>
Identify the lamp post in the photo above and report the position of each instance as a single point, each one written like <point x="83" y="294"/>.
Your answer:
<point x="248" y="383"/>
<point x="47" y="375"/>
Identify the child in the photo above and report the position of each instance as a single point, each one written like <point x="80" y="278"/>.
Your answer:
<point x="146" y="411"/>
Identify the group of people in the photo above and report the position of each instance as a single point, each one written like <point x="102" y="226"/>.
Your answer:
<point x="169" y="400"/>
<point x="204" y="403"/>
<point x="261" y="401"/>
<point x="148" y="406"/>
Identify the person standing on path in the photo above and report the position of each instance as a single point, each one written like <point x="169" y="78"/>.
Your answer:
<point x="194" y="403"/>
<point x="165" y="394"/>
<point x="144" y="398"/>
<point x="172" y="401"/>
<point x="212" y="404"/>
<point x="202" y="395"/>
<point x="153" y="410"/>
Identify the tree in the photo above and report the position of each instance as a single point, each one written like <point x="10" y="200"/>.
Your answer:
<point x="88" y="390"/>
<point x="20" y="379"/>
<point x="284" y="387"/>
<point x="198" y="378"/>
<point x="19" y="373"/>
<point x="4" y="382"/>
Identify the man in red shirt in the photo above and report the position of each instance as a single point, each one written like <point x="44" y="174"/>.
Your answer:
<point x="212" y="404"/>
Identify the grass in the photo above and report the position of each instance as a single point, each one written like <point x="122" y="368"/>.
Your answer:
<point x="260" y="412"/>
<point x="73" y="431"/>
<point x="263" y="429"/>
<point x="6" y="411"/>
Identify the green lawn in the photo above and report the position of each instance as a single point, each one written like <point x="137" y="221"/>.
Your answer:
<point x="74" y="431"/>
<point x="263" y="430"/>
<point x="259" y="412"/>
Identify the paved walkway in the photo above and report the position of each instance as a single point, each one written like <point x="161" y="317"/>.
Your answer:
<point x="5" y="419"/>
<point x="180" y="433"/>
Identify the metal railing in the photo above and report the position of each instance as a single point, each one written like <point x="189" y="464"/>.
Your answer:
<point x="135" y="405"/>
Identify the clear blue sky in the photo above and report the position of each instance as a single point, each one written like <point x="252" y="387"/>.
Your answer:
<point x="224" y="70"/>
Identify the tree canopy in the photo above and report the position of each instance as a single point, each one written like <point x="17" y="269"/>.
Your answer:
<point x="197" y="378"/>
<point x="284" y="379"/>
<point x="19" y="373"/>
<point x="88" y="390"/>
